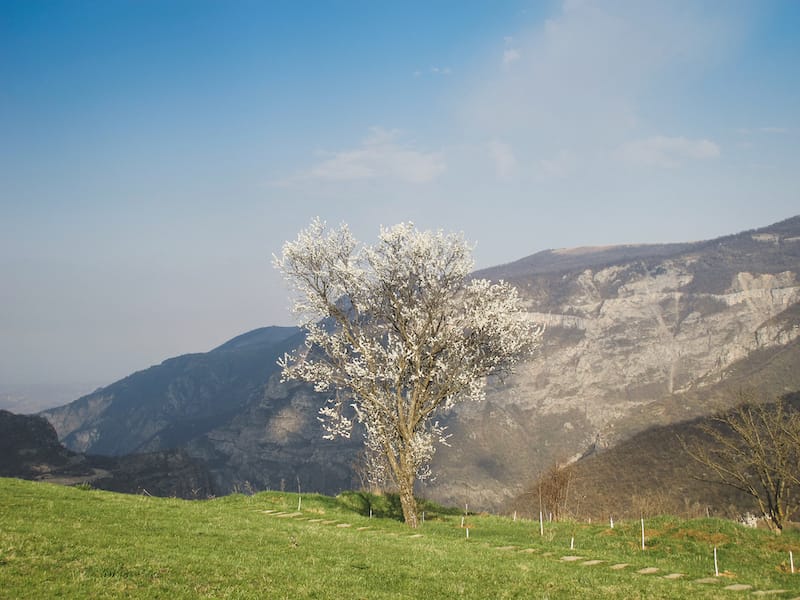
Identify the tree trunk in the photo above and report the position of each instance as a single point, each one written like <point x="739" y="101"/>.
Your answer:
<point x="405" y="481"/>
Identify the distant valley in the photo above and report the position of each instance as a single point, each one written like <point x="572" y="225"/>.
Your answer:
<point x="33" y="398"/>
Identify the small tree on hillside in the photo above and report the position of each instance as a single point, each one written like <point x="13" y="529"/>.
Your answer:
<point x="398" y="333"/>
<point x="553" y="489"/>
<point x="755" y="448"/>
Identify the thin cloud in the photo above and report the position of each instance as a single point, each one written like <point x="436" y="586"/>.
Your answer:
<point x="381" y="155"/>
<point x="435" y="71"/>
<point x="556" y="167"/>
<point x="668" y="152"/>
<point x="748" y="131"/>
<point x="510" y="55"/>
<point x="578" y="83"/>
<point x="505" y="162"/>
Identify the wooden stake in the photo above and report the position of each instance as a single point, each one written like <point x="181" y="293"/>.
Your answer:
<point x="467" y="532"/>
<point x="541" y="524"/>
<point x="572" y="543"/>
<point x="791" y="561"/>
<point x="612" y="522"/>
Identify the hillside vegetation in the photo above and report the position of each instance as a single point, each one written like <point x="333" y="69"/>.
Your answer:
<point x="79" y="543"/>
<point x="651" y="473"/>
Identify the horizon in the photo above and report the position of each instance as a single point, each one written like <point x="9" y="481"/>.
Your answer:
<point x="156" y="156"/>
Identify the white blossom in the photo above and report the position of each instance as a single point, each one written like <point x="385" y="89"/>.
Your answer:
<point x="397" y="332"/>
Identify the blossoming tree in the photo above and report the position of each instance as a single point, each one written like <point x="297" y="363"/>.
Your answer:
<point x="398" y="333"/>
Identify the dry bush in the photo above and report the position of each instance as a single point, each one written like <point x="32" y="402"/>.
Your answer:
<point x="551" y="493"/>
<point x="755" y="448"/>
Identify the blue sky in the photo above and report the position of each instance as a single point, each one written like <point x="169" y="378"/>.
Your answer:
<point x="154" y="155"/>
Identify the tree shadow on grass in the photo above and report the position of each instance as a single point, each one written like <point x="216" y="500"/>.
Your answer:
<point x="387" y="506"/>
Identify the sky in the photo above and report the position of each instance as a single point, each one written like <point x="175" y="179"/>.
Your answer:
<point x="155" y="155"/>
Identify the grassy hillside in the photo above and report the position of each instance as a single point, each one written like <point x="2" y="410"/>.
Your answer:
<point x="74" y="543"/>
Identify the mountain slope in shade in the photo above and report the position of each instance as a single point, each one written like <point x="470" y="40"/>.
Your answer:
<point x="226" y="408"/>
<point x="648" y="474"/>
<point x="170" y="404"/>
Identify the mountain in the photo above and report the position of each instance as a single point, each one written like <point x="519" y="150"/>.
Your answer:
<point x="637" y="337"/>
<point x="170" y="404"/>
<point x="226" y="408"/>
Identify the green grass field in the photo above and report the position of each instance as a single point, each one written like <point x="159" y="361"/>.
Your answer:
<point x="59" y="542"/>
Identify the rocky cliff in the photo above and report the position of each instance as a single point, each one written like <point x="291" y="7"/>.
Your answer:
<point x="636" y="336"/>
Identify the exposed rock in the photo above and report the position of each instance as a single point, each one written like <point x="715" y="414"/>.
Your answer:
<point x="628" y="345"/>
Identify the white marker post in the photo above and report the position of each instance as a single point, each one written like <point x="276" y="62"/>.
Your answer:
<point x="716" y="566"/>
<point x="299" y="502"/>
<point x="515" y="516"/>
<point x="541" y="524"/>
<point x="467" y="532"/>
<point x="572" y="543"/>
<point x="611" y="519"/>
<point x="642" y="533"/>
<point x="791" y="561"/>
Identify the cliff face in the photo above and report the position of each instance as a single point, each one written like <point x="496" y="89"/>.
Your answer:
<point x="628" y="345"/>
<point x="276" y="442"/>
<point x="636" y="336"/>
